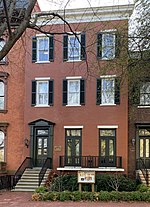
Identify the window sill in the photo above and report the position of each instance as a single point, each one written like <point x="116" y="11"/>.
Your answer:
<point x="107" y="104"/>
<point x="70" y="61"/>
<point x="72" y="105"/>
<point x="3" y="111"/>
<point x="146" y="106"/>
<point x="41" y="62"/>
<point x="42" y="106"/>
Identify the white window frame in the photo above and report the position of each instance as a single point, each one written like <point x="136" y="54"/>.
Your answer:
<point x="68" y="86"/>
<point x="38" y="38"/>
<point x="72" y="57"/>
<point x="142" y="92"/>
<point x="37" y="94"/>
<point x="2" y="43"/>
<point x="2" y="144"/>
<point x="113" y="48"/>
<point x="104" y="92"/>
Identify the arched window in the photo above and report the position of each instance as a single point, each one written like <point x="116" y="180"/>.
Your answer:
<point x="2" y="95"/>
<point x="2" y="147"/>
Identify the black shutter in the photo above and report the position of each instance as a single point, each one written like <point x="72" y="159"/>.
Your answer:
<point x="135" y="94"/>
<point x="98" y="92"/>
<point x="83" y="46"/>
<point x="117" y="91"/>
<point x="51" y="92"/>
<point x="33" y="98"/>
<point x="65" y="47"/>
<point x="64" y="92"/>
<point x="82" y="91"/>
<point x="99" y="45"/>
<point x="117" y="45"/>
<point x="51" y="48"/>
<point x="34" y="40"/>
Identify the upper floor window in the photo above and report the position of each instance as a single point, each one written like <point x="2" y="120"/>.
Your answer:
<point x="2" y="157"/>
<point x="108" y="91"/>
<point x="2" y="43"/>
<point x="2" y="95"/>
<point x="107" y="46"/>
<point x="42" y="92"/>
<point x="43" y="49"/>
<point x="145" y="94"/>
<point x="74" y="47"/>
<point x="73" y="92"/>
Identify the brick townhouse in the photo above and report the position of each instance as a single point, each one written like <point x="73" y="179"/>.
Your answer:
<point x="69" y="102"/>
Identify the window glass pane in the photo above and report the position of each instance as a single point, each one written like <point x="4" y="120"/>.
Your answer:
<point x="77" y="150"/>
<point x="2" y="43"/>
<point x="69" y="147"/>
<point x="103" y="147"/>
<point x="108" y="46"/>
<point x="45" y="143"/>
<point x="144" y="132"/>
<point x="107" y="132"/>
<point x="73" y="48"/>
<point x="147" y="148"/>
<point x="141" y="148"/>
<point x="42" y="132"/>
<point x="145" y="94"/>
<point x="1" y="88"/>
<point x="42" y="96"/>
<point x="111" y="147"/>
<point x="1" y="146"/>
<point x="43" y="49"/>
<point x="1" y="103"/>
<point x="75" y="132"/>
<point x="108" y="91"/>
<point x="74" y="92"/>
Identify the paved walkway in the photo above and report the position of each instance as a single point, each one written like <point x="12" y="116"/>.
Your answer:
<point x="19" y="199"/>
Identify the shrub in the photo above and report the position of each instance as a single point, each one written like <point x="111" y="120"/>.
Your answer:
<point x="41" y="189"/>
<point x="142" y="188"/>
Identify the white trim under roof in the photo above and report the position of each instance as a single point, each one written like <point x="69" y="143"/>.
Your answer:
<point x="107" y="126"/>
<point x="73" y="127"/>
<point x="43" y="78"/>
<point x="108" y="76"/>
<point x="108" y="30"/>
<point x="103" y="13"/>
<point x="73" y="77"/>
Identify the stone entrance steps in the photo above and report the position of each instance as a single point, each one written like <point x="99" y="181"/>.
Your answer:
<point x="141" y="176"/>
<point x="30" y="180"/>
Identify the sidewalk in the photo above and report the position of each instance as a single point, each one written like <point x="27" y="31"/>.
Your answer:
<point x="23" y="199"/>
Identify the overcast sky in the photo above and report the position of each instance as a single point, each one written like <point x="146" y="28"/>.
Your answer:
<point x="47" y="5"/>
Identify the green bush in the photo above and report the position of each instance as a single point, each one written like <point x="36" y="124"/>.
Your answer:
<point x="90" y="196"/>
<point x="41" y="189"/>
<point x="142" y="188"/>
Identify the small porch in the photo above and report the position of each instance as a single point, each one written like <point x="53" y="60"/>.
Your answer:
<point x="97" y="163"/>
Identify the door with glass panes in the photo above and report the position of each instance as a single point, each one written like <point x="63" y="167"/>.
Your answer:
<point x="144" y="146"/>
<point x="42" y="135"/>
<point x="73" y="147"/>
<point x="107" y="156"/>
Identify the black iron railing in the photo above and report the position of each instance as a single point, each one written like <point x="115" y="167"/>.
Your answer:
<point x="141" y="164"/>
<point x="6" y="181"/>
<point x="91" y="161"/>
<point x="27" y="163"/>
<point x="47" y="164"/>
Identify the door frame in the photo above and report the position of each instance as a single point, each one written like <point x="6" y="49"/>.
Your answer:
<point x="40" y="124"/>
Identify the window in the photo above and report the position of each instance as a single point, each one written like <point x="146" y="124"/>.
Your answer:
<point x="43" y="49"/>
<point x="42" y="92"/>
<point x="145" y="94"/>
<point x="73" y="147"/>
<point x="74" y="47"/>
<point x="73" y="92"/>
<point x="2" y="145"/>
<point x="107" y="46"/>
<point x="3" y="91"/>
<point x="108" y="91"/>
<point x="2" y="43"/>
<point x="1" y="95"/>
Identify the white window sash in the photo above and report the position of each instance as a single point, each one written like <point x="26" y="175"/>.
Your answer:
<point x="111" y="47"/>
<point x="38" y="49"/>
<point x="73" y="56"/>
<point x="38" y="94"/>
<point x="108" y="95"/>
<point x="76" y="93"/>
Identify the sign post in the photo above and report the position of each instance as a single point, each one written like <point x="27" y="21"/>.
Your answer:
<point x="86" y="177"/>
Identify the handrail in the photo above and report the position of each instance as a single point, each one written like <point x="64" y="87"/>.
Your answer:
<point x="27" y="163"/>
<point x="47" y="164"/>
<point x="142" y="167"/>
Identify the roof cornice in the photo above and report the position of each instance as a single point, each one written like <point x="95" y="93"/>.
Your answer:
<point x="93" y="14"/>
